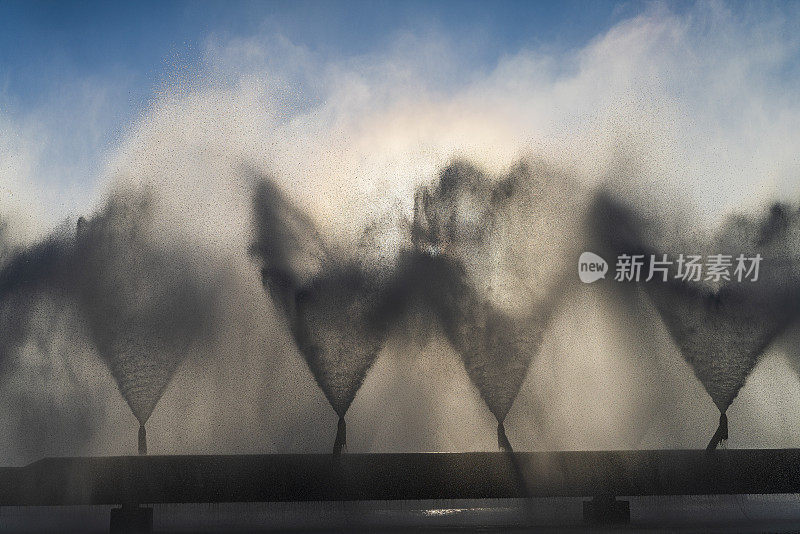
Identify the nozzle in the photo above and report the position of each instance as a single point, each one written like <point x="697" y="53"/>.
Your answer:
<point x="502" y="439"/>
<point x="142" y="440"/>
<point x="721" y="434"/>
<point x="341" y="437"/>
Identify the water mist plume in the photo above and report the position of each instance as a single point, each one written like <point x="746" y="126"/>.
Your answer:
<point x="498" y="249"/>
<point x="333" y="304"/>
<point x="145" y="304"/>
<point x="25" y="273"/>
<point x="723" y="328"/>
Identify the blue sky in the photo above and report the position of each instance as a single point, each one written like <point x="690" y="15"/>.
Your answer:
<point x="45" y="44"/>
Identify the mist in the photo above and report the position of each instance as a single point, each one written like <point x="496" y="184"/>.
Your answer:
<point x="722" y="326"/>
<point x="695" y="106"/>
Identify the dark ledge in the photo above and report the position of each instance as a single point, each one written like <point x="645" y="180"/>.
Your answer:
<point x="319" y="477"/>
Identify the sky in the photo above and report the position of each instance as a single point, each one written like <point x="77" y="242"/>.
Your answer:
<point x="351" y="107"/>
<point x="76" y="75"/>
<point x="100" y="38"/>
<point x="41" y="41"/>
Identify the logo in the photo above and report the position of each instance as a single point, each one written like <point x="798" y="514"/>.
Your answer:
<point x="591" y="267"/>
<point x="715" y="268"/>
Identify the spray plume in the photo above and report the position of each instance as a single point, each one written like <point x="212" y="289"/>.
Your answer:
<point x="721" y="327"/>
<point x="333" y="303"/>
<point x="497" y="252"/>
<point x="145" y="305"/>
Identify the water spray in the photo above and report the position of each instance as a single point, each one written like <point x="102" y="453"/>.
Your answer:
<point x="334" y="308"/>
<point x="473" y="232"/>
<point x="721" y="329"/>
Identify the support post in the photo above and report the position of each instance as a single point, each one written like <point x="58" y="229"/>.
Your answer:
<point x="131" y="519"/>
<point x="606" y="510"/>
